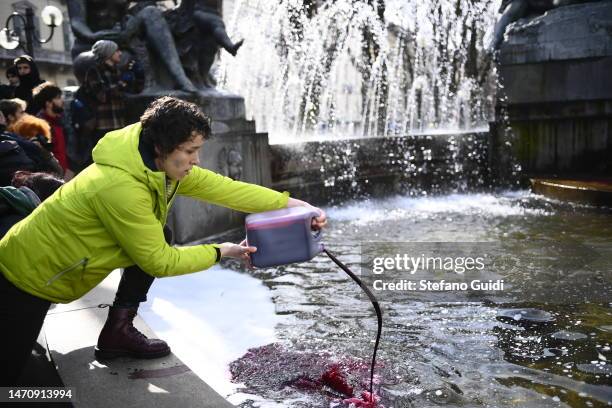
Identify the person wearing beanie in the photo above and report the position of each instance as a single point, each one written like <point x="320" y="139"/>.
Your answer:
<point x="29" y="78"/>
<point x="104" y="50"/>
<point x="105" y="79"/>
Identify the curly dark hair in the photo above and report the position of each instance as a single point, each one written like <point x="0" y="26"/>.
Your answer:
<point x="43" y="184"/>
<point x="169" y="122"/>
<point x="45" y="92"/>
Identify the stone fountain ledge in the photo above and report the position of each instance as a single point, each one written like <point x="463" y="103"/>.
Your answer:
<point x="72" y="332"/>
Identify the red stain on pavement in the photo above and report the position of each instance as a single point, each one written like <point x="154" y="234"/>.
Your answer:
<point x="158" y="372"/>
<point x="273" y="367"/>
<point x="367" y="401"/>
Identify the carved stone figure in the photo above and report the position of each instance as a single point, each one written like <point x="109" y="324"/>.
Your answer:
<point x="93" y="20"/>
<point x="512" y="10"/>
<point x="199" y="32"/>
<point x="230" y="163"/>
<point x="178" y="46"/>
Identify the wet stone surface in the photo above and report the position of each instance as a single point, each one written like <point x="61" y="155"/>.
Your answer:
<point x="541" y="343"/>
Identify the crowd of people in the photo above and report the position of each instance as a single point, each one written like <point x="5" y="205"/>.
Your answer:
<point x="37" y="135"/>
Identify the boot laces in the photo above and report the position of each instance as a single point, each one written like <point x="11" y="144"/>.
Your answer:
<point x="138" y="333"/>
<point x="133" y="328"/>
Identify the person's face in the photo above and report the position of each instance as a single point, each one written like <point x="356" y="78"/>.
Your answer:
<point x="116" y="57"/>
<point x="23" y="69"/>
<point x="13" y="79"/>
<point x="56" y="105"/>
<point x="18" y="114"/>
<point x="178" y="163"/>
<point x="58" y="101"/>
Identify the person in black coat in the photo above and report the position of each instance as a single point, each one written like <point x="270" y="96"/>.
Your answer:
<point x="29" y="78"/>
<point x="17" y="153"/>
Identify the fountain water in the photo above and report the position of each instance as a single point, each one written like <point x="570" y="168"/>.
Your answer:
<point x="362" y="67"/>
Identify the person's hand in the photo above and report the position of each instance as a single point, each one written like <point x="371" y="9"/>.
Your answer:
<point x="319" y="221"/>
<point x="239" y="251"/>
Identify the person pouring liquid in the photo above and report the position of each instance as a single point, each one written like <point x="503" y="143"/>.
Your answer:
<point x="112" y="215"/>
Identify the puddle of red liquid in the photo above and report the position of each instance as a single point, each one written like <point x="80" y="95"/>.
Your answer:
<point x="336" y="380"/>
<point x="274" y="367"/>
<point x="367" y="401"/>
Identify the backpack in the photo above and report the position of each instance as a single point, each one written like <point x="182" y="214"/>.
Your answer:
<point x="12" y="159"/>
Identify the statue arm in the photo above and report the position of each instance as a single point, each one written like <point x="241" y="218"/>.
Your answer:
<point x="77" y="12"/>
<point x="511" y="11"/>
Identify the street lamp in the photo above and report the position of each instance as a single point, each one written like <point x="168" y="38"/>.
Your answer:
<point x="9" y="37"/>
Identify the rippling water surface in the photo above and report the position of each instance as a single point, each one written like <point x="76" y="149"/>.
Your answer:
<point x="534" y="345"/>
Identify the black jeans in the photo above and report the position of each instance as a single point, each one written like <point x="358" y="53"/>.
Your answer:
<point x="21" y="318"/>
<point x="135" y="282"/>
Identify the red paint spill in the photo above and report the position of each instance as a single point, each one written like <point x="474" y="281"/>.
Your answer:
<point x="336" y="380"/>
<point x="272" y="367"/>
<point x="158" y="373"/>
<point x="367" y="401"/>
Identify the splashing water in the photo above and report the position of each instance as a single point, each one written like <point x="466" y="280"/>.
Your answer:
<point x="363" y="68"/>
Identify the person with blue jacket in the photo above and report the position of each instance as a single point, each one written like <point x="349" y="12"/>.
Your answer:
<point x="113" y="215"/>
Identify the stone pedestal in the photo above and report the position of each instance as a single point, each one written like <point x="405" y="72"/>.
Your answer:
<point x="234" y="150"/>
<point x="556" y="90"/>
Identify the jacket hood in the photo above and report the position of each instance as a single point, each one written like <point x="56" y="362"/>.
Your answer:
<point x="119" y="149"/>
<point x="22" y="199"/>
<point x="33" y="78"/>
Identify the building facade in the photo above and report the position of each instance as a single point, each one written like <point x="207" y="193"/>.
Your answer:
<point x="53" y="58"/>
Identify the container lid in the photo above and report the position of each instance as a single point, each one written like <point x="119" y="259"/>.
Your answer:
<point x="279" y="217"/>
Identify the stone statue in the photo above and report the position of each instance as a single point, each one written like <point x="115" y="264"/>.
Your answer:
<point x="512" y="10"/>
<point x="199" y="32"/>
<point x="93" y="20"/>
<point x="230" y="163"/>
<point x="179" y="45"/>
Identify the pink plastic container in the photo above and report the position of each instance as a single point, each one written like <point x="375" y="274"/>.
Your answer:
<point x="283" y="236"/>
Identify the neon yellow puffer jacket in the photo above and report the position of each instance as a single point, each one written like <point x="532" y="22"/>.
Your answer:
<point x="111" y="216"/>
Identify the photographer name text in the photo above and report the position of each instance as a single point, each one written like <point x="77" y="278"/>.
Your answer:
<point x="438" y="285"/>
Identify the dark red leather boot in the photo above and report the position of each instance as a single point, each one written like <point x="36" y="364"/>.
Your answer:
<point x="120" y="338"/>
